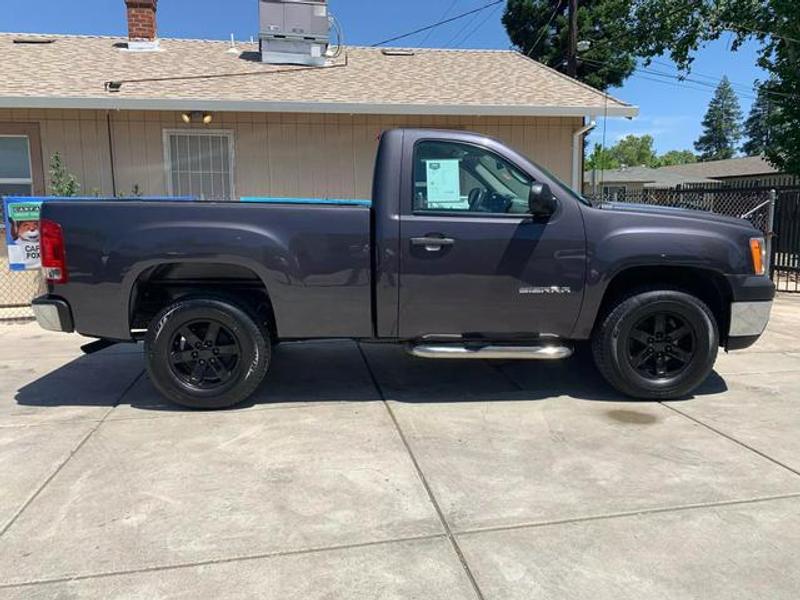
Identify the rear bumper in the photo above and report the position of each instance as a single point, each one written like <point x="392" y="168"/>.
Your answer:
<point x="53" y="314"/>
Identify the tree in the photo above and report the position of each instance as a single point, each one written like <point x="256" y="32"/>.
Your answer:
<point x="62" y="183"/>
<point x="757" y="127"/>
<point x="540" y="30"/>
<point x="635" y="151"/>
<point x="781" y="57"/>
<point x="600" y="159"/>
<point x="722" y="128"/>
<point x="677" y="157"/>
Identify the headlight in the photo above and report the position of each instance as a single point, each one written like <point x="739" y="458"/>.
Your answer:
<point x="758" y="251"/>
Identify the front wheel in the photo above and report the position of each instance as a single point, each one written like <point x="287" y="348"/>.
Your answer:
<point x="657" y="345"/>
<point x="206" y="353"/>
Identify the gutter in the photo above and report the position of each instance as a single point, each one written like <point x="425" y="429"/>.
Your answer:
<point x="577" y="155"/>
<point x="118" y="102"/>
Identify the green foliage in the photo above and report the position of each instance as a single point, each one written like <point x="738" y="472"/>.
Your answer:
<point x="722" y="127"/>
<point x="781" y="57"/>
<point x="677" y="157"/>
<point x="534" y="33"/>
<point x="62" y="183"/>
<point x="635" y="151"/>
<point x="622" y="32"/>
<point x="600" y="159"/>
<point x="757" y="127"/>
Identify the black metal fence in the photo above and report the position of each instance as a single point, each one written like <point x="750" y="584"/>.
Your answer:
<point x="786" y="241"/>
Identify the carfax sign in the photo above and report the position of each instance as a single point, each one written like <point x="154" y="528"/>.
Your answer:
<point x="22" y="233"/>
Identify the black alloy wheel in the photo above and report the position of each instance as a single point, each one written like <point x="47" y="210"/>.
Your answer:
<point x="204" y="354"/>
<point x="661" y="345"/>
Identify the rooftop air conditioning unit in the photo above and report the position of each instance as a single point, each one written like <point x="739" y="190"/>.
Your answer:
<point x="294" y="32"/>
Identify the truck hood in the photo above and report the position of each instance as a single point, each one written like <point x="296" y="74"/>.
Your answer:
<point x="683" y="213"/>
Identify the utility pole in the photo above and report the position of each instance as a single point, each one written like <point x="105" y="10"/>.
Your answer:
<point x="572" y="52"/>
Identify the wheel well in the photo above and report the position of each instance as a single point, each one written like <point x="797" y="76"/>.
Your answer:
<point x="158" y="287"/>
<point x="709" y="286"/>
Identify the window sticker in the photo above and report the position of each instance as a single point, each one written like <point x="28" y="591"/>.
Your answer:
<point x="444" y="184"/>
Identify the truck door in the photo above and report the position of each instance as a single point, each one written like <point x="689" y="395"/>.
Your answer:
<point x="473" y="260"/>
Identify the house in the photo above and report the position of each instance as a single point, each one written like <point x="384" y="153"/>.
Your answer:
<point x="208" y="119"/>
<point x="615" y="183"/>
<point x="746" y="170"/>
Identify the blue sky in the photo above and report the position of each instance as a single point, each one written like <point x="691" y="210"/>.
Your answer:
<point x="669" y="112"/>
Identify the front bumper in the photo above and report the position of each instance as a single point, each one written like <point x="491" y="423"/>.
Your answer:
<point x="53" y="314"/>
<point x="748" y="322"/>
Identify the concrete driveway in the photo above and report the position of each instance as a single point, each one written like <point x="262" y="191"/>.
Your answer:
<point x="358" y="472"/>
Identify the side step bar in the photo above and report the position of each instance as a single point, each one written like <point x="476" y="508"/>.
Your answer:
<point x="550" y="352"/>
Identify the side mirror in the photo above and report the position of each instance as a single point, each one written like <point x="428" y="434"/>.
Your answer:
<point x="541" y="201"/>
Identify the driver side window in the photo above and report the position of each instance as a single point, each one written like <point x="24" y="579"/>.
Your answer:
<point x="453" y="177"/>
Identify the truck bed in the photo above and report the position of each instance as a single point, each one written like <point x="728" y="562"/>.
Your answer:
<point x="314" y="259"/>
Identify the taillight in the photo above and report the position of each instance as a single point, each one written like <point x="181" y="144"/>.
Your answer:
<point x="54" y="259"/>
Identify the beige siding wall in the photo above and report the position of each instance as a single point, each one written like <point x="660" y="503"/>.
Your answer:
<point x="277" y="154"/>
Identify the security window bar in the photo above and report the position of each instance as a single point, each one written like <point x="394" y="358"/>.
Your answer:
<point x="16" y="172"/>
<point x="200" y="164"/>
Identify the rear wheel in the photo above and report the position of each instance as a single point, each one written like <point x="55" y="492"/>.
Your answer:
<point x="206" y="353"/>
<point x="658" y="344"/>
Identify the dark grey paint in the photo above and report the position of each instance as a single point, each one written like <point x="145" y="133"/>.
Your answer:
<point x="319" y="263"/>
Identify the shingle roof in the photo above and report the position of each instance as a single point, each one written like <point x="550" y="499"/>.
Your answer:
<point x="720" y="169"/>
<point x="646" y="175"/>
<point x="198" y="74"/>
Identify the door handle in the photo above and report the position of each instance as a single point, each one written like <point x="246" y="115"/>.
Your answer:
<point x="432" y="244"/>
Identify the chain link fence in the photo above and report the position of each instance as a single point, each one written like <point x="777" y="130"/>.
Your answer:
<point x="745" y="203"/>
<point x="17" y="289"/>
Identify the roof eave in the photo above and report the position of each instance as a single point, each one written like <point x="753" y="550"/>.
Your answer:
<point x="116" y="102"/>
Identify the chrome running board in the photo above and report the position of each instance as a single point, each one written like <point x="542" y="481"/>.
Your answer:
<point x="546" y="352"/>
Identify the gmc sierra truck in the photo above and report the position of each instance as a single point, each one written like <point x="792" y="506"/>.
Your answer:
<point x="467" y="250"/>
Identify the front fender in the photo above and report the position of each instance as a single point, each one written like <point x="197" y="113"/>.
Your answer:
<point x="614" y="247"/>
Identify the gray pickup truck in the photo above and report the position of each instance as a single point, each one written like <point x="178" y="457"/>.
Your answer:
<point x="467" y="250"/>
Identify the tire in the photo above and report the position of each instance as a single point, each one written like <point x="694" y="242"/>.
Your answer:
<point x="656" y="345"/>
<point x="230" y="362"/>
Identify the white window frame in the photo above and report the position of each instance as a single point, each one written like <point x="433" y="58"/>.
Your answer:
<point x="227" y="133"/>
<point x="614" y="191"/>
<point x="20" y="181"/>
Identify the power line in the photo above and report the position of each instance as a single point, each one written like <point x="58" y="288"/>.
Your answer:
<point x="681" y="80"/>
<point x="444" y="16"/>
<point x="546" y="28"/>
<point x="742" y="86"/>
<point x="678" y="80"/>
<point x="439" y="23"/>
<point x="115" y="85"/>
<point x="477" y="27"/>
<point x="467" y="23"/>
<point x="735" y="27"/>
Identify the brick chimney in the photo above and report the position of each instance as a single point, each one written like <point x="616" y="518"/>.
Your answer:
<point x="142" y="20"/>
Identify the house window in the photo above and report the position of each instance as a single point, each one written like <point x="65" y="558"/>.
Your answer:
<point x="614" y="192"/>
<point x="16" y="171"/>
<point x="199" y="164"/>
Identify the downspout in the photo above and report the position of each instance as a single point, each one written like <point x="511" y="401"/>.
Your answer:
<point x="577" y="155"/>
<point x="111" y="154"/>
